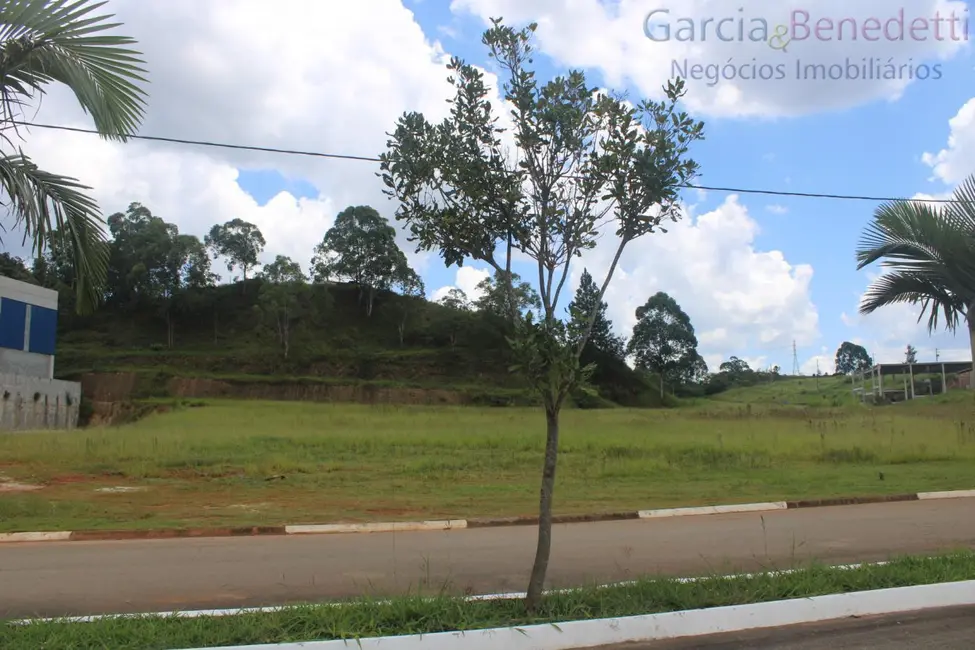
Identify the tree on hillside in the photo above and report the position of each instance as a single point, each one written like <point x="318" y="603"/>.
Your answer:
<point x="737" y="369"/>
<point x="360" y="248"/>
<point x="910" y="354"/>
<point x="139" y="253"/>
<point x="412" y="291"/>
<point x="456" y="299"/>
<point x="851" y="358"/>
<point x="239" y="241"/>
<point x="186" y="268"/>
<point x="928" y="252"/>
<point x="587" y="300"/>
<point x="664" y="342"/>
<point x="581" y="155"/>
<point x="62" y="41"/>
<point x="454" y="320"/>
<point x="152" y="263"/>
<point x="15" y="268"/>
<point x="281" y="296"/>
<point x="497" y="299"/>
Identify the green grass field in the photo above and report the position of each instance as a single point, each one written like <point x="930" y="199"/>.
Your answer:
<point x="244" y="463"/>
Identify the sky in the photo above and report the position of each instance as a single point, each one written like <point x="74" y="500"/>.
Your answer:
<point x="756" y="273"/>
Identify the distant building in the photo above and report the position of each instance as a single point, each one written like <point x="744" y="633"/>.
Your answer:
<point x="30" y="397"/>
<point x="28" y="329"/>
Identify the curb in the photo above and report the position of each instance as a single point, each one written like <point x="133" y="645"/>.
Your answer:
<point x="670" y="625"/>
<point x="458" y="524"/>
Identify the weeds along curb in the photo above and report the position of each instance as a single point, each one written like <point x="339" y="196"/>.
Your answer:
<point x="456" y="524"/>
<point x="671" y="625"/>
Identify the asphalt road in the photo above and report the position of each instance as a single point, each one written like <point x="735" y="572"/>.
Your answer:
<point x="78" y="578"/>
<point x="938" y="629"/>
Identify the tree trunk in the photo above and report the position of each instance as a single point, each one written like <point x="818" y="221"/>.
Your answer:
<point x="661" y="387"/>
<point x="971" y="338"/>
<point x="369" y="301"/>
<point x="169" y="329"/>
<point x="537" y="581"/>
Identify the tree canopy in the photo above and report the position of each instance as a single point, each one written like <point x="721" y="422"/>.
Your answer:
<point x="361" y="248"/>
<point x="239" y="241"/>
<point x="664" y="342"/>
<point x="496" y="297"/>
<point x="851" y="358"/>
<point x="587" y="301"/>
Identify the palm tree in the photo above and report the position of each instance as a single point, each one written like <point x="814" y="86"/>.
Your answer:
<point x="929" y="251"/>
<point x="45" y="41"/>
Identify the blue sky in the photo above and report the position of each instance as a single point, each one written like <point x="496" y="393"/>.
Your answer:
<point x="871" y="149"/>
<point x="329" y="77"/>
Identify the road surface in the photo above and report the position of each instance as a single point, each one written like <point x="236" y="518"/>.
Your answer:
<point x="77" y="578"/>
<point x="939" y="629"/>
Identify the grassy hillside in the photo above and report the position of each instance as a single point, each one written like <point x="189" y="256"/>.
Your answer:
<point x="405" y="343"/>
<point x="829" y="391"/>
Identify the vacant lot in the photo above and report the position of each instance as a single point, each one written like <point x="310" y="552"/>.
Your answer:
<point x="275" y="462"/>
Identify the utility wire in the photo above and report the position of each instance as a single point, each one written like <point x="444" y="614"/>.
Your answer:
<point x="339" y="156"/>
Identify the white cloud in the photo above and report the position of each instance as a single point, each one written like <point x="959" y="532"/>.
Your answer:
<point x="294" y="74"/>
<point x="775" y="208"/>
<point x="611" y="37"/>
<point x="738" y="298"/>
<point x="467" y="279"/>
<point x="956" y="161"/>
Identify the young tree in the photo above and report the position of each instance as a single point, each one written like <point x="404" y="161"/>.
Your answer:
<point x="280" y="297"/>
<point x="63" y="42"/>
<point x="581" y="156"/>
<point x="239" y="241"/>
<point x="360" y="248"/>
<point x="497" y="299"/>
<point x="851" y="358"/>
<point x="587" y="300"/>
<point x="910" y="355"/>
<point x="663" y="341"/>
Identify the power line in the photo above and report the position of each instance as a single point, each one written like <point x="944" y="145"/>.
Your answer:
<point x="338" y="156"/>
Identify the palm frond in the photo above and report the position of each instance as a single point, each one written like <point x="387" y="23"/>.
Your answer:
<point x="44" y="203"/>
<point x="59" y="40"/>
<point x="915" y="288"/>
<point x="918" y="238"/>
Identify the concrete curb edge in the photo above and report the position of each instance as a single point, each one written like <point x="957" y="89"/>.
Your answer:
<point x="455" y="524"/>
<point x="573" y="635"/>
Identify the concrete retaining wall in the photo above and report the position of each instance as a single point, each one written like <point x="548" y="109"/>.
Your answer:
<point x="31" y="403"/>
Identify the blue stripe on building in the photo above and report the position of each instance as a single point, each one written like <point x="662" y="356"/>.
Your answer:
<point x="13" y="323"/>
<point x="43" y="329"/>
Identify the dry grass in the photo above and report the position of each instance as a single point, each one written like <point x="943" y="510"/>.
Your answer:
<point x="274" y="462"/>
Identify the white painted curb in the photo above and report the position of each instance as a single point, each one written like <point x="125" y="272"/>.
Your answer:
<point x="390" y="527"/>
<point x="657" y="627"/>
<point x="955" y="494"/>
<point x="458" y="524"/>
<point x="56" y="536"/>
<point x="713" y="510"/>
